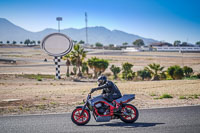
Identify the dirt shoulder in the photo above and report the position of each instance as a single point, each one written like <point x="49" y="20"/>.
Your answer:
<point x="20" y="95"/>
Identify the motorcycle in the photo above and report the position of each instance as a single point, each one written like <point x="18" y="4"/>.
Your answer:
<point x="104" y="111"/>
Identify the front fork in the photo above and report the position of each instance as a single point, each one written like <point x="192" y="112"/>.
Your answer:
<point x="83" y="108"/>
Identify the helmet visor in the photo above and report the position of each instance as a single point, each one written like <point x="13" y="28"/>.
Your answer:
<point x="100" y="82"/>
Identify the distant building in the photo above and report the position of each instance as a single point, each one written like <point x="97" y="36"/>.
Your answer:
<point x="167" y="47"/>
<point x="131" y="49"/>
<point x="177" y="49"/>
<point x="161" y="44"/>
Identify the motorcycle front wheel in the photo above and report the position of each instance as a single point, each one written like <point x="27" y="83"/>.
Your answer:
<point x="129" y="114"/>
<point x="78" y="119"/>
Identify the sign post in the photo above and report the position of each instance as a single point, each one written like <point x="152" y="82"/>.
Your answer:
<point x="57" y="45"/>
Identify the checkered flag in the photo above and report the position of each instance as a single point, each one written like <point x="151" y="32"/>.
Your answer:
<point x="57" y="61"/>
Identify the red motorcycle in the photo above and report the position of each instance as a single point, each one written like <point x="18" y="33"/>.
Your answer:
<point x="103" y="111"/>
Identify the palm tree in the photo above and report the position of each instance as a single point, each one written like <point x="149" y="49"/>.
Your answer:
<point x="156" y="71"/>
<point x="67" y="58"/>
<point x="77" y="56"/>
<point x="144" y="74"/>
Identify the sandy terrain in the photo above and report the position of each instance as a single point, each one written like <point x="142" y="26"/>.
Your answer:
<point x="50" y="95"/>
<point x="61" y="96"/>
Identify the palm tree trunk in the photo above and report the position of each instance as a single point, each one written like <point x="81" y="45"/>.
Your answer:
<point x="95" y="73"/>
<point x="79" y="71"/>
<point x="67" y="71"/>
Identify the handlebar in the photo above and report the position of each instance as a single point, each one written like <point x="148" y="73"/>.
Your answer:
<point x="89" y="95"/>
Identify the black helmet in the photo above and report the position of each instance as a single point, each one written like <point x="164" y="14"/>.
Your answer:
<point x="102" y="80"/>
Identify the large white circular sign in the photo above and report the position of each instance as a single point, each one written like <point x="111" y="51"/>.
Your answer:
<point x="57" y="44"/>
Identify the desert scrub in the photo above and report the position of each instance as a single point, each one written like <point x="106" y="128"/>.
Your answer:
<point x="53" y="103"/>
<point x="166" y="96"/>
<point x="191" y="78"/>
<point x="182" y="97"/>
<point x="21" y="108"/>
<point x="44" y="98"/>
<point x="35" y="76"/>
<point x="153" y="94"/>
<point x="196" y="96"/>
<point x="53" y="84"/>
<point x="39" y="78"/>
<point x="190" y="97"/>
<point x="41" y="106"/>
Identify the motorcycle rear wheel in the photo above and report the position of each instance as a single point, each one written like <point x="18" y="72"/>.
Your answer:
<point x="80" y="120"/>
<point x="132" y="116"/>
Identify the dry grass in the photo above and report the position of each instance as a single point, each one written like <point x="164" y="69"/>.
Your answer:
<point x="50" y="95"/>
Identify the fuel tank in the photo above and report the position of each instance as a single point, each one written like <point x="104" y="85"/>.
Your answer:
<point x="96" y="99"/>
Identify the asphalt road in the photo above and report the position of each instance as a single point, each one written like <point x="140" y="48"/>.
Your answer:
<point x="167" y="120"/>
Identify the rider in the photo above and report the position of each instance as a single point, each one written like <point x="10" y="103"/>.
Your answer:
<point x="110" y="91"/>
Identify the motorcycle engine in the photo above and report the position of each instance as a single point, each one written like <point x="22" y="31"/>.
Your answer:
<point x="101" y="107"/>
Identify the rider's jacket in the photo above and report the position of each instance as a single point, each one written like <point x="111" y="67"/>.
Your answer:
<point x="110" y="89"/>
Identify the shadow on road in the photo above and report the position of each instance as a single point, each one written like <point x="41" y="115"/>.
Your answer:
<point x="128" y="125"/>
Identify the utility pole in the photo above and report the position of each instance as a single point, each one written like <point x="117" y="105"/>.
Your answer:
<point x="86" y="29"/>
<point x="59" y="19"/>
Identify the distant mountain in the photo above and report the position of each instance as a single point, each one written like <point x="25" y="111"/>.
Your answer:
<point x="11" y="32"/>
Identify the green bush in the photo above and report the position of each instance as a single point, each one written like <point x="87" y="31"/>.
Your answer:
<point x="198" y="75"/>
<point x="85" y="67"/>
<point x="127" y="73"/>
<point x="194" y="77"/>
<point x="130" y="75"/>
<point x="187" y="71"/>
<point x="153" y="94"/>
<point x="39" y="79"/>
<point x="98" y="65"/>
<point x="144" y="74"/>
<point x="196" y="96"/>
<point x="176" y="72"/>
<point x="165" y="96"/>
<point x="182" y="97"/>
<point x="115" y="70"/>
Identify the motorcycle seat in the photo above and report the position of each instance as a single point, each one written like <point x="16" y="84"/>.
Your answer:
<point x="126" y="97"/>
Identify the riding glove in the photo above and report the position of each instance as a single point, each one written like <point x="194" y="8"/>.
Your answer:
<point x="92" y="90"/>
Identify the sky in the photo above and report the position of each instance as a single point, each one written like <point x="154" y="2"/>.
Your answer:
<point x="163" y="20"/>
